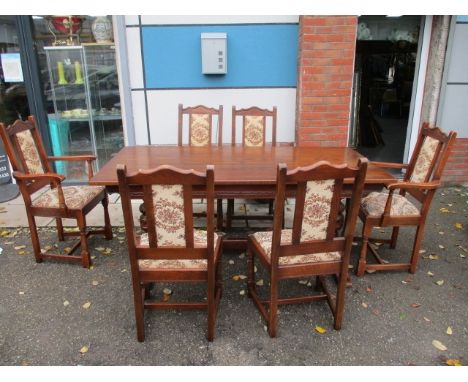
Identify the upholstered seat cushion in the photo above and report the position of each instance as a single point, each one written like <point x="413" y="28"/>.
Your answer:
<point x="374" y="205"/>
<point x="76" y="197"/>
<point x="264" y="240"/>
<point x="200" y="241"/>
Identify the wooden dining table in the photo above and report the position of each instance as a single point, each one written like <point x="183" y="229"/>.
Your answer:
<point x="240" y="172"/>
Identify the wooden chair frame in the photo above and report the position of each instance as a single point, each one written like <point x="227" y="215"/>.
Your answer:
<point x="200" y="109"/>
<point x="251" y="111"/>
<point x="423" y="192"/>
<point x="30" y="183"/>
<point x="142" y="279"/>
<point x="299" y="178"/>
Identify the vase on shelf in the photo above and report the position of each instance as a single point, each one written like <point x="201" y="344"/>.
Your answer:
<point x="61" y="74"/>
<point x="78" y="75"/>
<point x="102" y="30"/>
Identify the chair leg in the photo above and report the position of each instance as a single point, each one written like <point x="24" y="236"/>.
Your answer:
<point x="107" y="223"/>
<point x="273" y="319"/>
<point x="394" y="238"/>
<point x="416" y="246"/>
<point x="361" y="268"/>
<point x="34" y="238"/>
<point x="60" y="234"/>
<point x="250" y="271"/>
<point x="85" y="258"/>
<point x="139" y="312"/>
<point x="340" y="299"/>
<point x="211" y="305"/>
<point x="270" y="207"/>
<point x="219" y="214"/>
<point x="219" y="279"/>
<point x="229" y="213"/>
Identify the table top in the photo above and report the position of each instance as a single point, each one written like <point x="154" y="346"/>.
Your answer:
<point x="234" y="165"/>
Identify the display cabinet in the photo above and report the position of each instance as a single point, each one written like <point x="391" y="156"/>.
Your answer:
<point x="84" y="91"/>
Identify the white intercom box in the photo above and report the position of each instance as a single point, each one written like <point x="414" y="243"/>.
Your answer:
<point x="214" y="53"/>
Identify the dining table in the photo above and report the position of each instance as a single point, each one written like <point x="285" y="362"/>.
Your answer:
<point x="240" y="172"/>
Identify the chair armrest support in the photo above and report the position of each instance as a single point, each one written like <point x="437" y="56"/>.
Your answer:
<point x="389" y="164"/>
<point x="413" y="186"/>
<point x="55" y="179"/>
<point x="73" y="158"/>
<point x="48" y="175"/>
<point x="77" y="158"/>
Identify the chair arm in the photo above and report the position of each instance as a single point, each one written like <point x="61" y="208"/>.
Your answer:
<point x="413" y="186"/>
<point x="77" y="158"/>
<point x="56" y="179"/>
<point x="389" y="164"/>
<point x="48" y="175"/>
<point x="73" y="158"/>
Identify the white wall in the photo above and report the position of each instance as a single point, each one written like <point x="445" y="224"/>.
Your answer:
<point x="163" y="110"/>
<point x="162" y="105"/>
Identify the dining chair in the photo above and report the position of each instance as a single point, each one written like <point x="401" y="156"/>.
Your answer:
<point x="203" y="130"/>
<point x="314" y="245"/>
<point x="253" y="132"/>
<point x="382" y="209"/>
<point x="171" y="250"/>
<point x="33" y="172"/>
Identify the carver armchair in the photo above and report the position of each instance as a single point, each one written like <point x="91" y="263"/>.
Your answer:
<point x="382" y="209"/>
<point x="33" y="172"/>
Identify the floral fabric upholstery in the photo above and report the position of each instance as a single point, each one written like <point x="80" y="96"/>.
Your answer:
<point x="424" y="160"/>
<point x="374" y="205"/>
<point x="169" y="215"/>
<point x="254" y="131"/>
<point x="317" y="207"/>
<point x="76" y="197"/>
<point x="200" y="130"/>
<point x="200" y="241"/>
<point x="264" y="239"/>
<point x="30" y="153"/>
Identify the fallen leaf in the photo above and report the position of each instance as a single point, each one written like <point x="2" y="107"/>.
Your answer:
<point x="370" y="270"/>
<point x="441" y="246"/>
<point x="462" y="255"/>
<point x="440" y="282"/>
<point x="376" y="312"/>
<point x="18" y="247"/>
<point x="67" y="249"/>
<point x="259" y="282"/>
<point x="458" y="225"/>
<point x="242" y="255"/>
<point x="426" y="319"/>
<point x="91" y="267"/>
<point x="21" y="253"/>
<point x="444" y="210"/>
<point x="21" y="293"/>
<point x="84" y="349"/>
<point x="422" y="251"/>
<point x="86" y="305"/>
<point x="430" y="273"/>
<point x="100" y="249"/>
<point x="365" y="305"/>
<point x="415" y="305"/>
<point x="231" y="262"/>
<point x="369" y="289"/>
<point x="242" y="292"/>
<point x="255" y="268"/>
<point x="402" y="316"/>
<point x="95" y="282"/>
<point x="236" y="277"/>
<point x="66" y="303"/>
<point x="320" y="330"/>
<point x="303" y="282"/>
<point x="441" y="233"/>
<point x="449" y="331"/>
<point x="453" y="362"/>
<point x="439" y="345"/>
<point x="309" y="284"/>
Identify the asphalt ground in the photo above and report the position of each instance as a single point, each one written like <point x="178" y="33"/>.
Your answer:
<point x="391" y="318"/>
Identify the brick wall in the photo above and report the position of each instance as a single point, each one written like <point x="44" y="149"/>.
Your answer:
<point x="325" y="71"/>
<point x="456" y="170"/>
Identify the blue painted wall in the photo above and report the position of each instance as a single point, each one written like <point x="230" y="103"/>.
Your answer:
<point x="258" y="56"/>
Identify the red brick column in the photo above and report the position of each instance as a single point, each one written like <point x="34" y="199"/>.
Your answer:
<point x="456" y="169"/>
<point x="325" y="72"/>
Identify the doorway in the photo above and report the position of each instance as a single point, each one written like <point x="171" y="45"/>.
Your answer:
<point x="385" y="67"/>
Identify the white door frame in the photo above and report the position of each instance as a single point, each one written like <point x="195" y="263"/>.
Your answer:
<point x="414" y="120"/>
